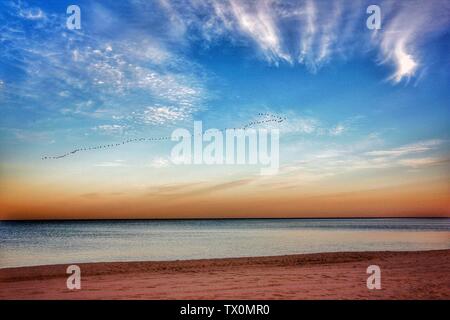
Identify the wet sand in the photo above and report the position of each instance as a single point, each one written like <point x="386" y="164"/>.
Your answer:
<point x="404" y="275"/>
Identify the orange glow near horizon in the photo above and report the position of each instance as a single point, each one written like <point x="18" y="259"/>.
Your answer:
<point x="235" y="199"/>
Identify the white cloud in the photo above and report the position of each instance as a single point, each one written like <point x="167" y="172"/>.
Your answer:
<point x="308" y="28"/>
<point x="316" y="32"/>
<point x="33" y="14"/>
<point x="110" y="129"/>
<point x="406" y="66"/>
<point x="259" y="23"/>
<point x="325" y="160"/>
<point x="162" y="115"/>
<point x="418" y="147"/>
<point x="337" y="130"/>
<point x="111" y="164"/>
<point x="159" y="163"/>
<point x="423" y="162"/>
<point x="119" y="74"/>
<point x="402" y="37"/>
<point x="30" y="136"/>
<point x="294" y="123"/>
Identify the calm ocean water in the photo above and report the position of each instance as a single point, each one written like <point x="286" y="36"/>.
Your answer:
<point x="37" y="243"/>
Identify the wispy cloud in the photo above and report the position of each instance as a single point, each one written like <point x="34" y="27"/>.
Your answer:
<point x="337" y="130"/>
<point x="257" y="21"/>
<point x="110" y="129"/>
<point x="340" y="159"/>
<point x="298" y="123"/>
<point x="161" y="114"/>
<point x="407" y="27"/>
<point x="28" y="12"/>
<point x="314" y="33"/>
<point x="159" y="163"/>
<point x="418" y="147"/>
<point x="29" y="135"/>
<point x="105" y="77"/>
<point x="424" y="162"/>
<point x="111" y="164"/>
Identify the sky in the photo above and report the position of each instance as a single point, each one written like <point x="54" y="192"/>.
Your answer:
<point x="367" y="112"/>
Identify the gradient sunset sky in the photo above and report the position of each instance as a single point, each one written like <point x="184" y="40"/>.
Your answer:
<point x="368" y="111"/>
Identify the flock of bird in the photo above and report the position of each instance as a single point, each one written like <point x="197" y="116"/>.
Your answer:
<point x="270" y="118"/>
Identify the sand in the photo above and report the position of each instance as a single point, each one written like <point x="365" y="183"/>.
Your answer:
<point x="404" y="275"/>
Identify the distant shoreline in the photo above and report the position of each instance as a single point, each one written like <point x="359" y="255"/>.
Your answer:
<point x="337" y="275"/>
<point x="215" y="219"/>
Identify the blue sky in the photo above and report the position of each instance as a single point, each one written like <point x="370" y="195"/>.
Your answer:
<point x="376" y="101"/>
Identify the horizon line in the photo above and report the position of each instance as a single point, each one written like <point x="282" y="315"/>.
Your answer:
<point x="193" y="219"/>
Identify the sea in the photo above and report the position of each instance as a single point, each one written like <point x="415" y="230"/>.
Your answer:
<point x="30" y="243"/>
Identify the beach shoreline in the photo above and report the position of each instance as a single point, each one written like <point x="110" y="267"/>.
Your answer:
<point x="334" y="275"/>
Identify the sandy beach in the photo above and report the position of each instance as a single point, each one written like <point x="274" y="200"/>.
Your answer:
<point x="404" y="275"/>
